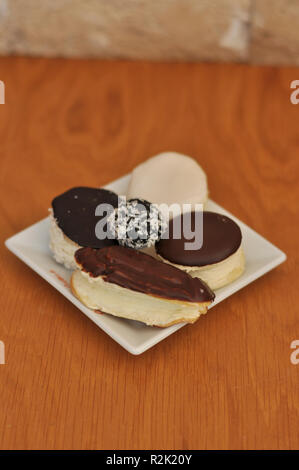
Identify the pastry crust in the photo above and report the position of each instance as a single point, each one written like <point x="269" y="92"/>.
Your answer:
<point x="216" y="275"/>
<point x="62" y="247"/>
<point x="98" y="294"/>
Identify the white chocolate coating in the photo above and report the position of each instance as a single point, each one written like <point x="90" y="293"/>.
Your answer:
<point x="169" y="178"/>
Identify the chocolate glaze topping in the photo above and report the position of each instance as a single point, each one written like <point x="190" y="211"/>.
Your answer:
<point x="221" y="238"/>
<point x="140" y="272"/>
<point x="74" y="212"/>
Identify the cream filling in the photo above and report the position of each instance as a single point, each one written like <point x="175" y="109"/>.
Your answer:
<point x="218" y="274"/>
<point x="110" y="298"/>
<point x="62" y="247"/>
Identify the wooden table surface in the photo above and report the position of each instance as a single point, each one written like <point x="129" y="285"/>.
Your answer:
<point x="226" y="382"/>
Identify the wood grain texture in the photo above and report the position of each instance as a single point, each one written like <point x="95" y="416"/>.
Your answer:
<point x="224" y="383"/>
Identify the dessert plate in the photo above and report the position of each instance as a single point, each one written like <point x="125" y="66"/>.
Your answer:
<point x="32" y="247"/>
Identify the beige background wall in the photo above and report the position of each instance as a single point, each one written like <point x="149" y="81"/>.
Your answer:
<point x="257" y="31"/>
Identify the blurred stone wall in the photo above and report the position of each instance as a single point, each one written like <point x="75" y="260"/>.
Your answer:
<point x="258" y="31"/>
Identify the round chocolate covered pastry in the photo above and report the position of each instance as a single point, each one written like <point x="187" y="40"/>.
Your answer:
<point x="137" y="224"/>
<point x="219" y="261"/>
<point x="73" y="222"/>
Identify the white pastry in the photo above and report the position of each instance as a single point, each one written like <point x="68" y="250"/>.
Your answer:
<point x="127" y="283"/>
<point x="62" y="247"/>
<point x="170" y="178"/>
<point x="217" y="275"/>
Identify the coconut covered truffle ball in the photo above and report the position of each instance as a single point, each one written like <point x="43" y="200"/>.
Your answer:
<point x="137" y="224"/>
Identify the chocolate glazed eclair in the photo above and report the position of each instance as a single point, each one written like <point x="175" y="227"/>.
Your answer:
<point x="131" y="284"/>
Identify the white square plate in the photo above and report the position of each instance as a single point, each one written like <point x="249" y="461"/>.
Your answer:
<point x="32" y="246"/>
